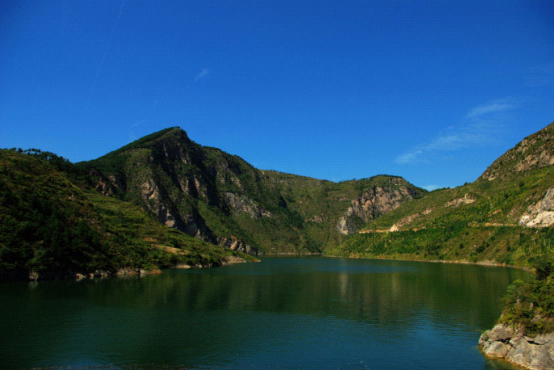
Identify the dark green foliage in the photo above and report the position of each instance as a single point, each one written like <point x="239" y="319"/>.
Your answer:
<point x="544" y="268"/>
<point x="530" y="305"/>
<point x="51" y="226"/>
<point x="43" y="219"/>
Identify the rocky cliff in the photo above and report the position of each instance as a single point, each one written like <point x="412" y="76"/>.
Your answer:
<point x="180" y="183"/>
<point x="540" y="214"/>
<point x="374" y="202"/>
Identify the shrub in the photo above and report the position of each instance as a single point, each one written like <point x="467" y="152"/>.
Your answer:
<point x="530" y="305"/>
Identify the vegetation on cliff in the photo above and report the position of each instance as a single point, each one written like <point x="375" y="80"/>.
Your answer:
<point x="529" y="305"/>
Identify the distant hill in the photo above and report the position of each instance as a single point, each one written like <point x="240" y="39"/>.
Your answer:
<point x="221" y="199"/>
<point x="505" y="216"/>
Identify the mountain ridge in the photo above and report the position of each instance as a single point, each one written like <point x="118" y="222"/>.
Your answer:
<point x="534" y="151"/>
<point x="219" y="198"/>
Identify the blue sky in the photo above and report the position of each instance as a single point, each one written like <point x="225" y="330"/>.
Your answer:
<point x="433" y="91"/>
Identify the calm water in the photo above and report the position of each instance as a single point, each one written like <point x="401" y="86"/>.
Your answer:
<point x="283" y="313"/>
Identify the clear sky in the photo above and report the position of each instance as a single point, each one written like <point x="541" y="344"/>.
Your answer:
<point x="433" y="91"/>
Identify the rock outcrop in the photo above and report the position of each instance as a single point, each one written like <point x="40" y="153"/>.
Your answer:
<point x="540" y="214"/>
<point x="408" y="219"/>
<point x="243" y="204"/>
<point x="373" y="203"/>
<point x="236" y="244"/>
<point x="108" y="187"/>
<point x="503" y="342"/>
<point x="467" y="199"/>
<point x="152" y="199"/>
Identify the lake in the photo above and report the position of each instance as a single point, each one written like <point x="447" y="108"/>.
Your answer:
<point x="282" y="313"/>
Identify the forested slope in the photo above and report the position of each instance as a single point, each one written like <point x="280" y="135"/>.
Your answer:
<point x="54" y="224"/>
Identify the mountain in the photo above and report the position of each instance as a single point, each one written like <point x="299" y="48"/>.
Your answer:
<point x="54" y="223"/>
<point x="165" y="201"/>
<point x="223" y="200"/>
<point x="505" y="216"/>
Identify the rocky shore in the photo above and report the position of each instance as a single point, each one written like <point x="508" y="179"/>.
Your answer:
<point x="123" y="272"/>
<point x="503" y="342"/>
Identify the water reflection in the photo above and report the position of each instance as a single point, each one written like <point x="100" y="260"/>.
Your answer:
<point x="303" y="312"/>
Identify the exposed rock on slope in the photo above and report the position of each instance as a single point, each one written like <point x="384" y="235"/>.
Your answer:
<point x="243" y="204"/>
<point x="408" y="219"/>
<point x="540" y="214"/>
<point x="467" y="199"/>
<point x="373" y="203"/>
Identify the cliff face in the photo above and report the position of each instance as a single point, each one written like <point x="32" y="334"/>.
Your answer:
<point x="373" y="203"/>
<point x="540" y="214"/>
<point x="220" y="198"/>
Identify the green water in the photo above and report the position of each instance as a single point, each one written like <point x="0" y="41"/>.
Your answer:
<point x="282" y="313"/>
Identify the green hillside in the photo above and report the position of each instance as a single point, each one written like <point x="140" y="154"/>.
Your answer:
<point x="324" y="205"/>
<point x="54" y="224"/>
<point x="476" y="222"/>
<point x="505" y="218"/>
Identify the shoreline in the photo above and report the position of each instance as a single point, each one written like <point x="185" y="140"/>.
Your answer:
<point x="504" y="343"/>
<point x="460" y="262"/>
<point x="124" y="272"/>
